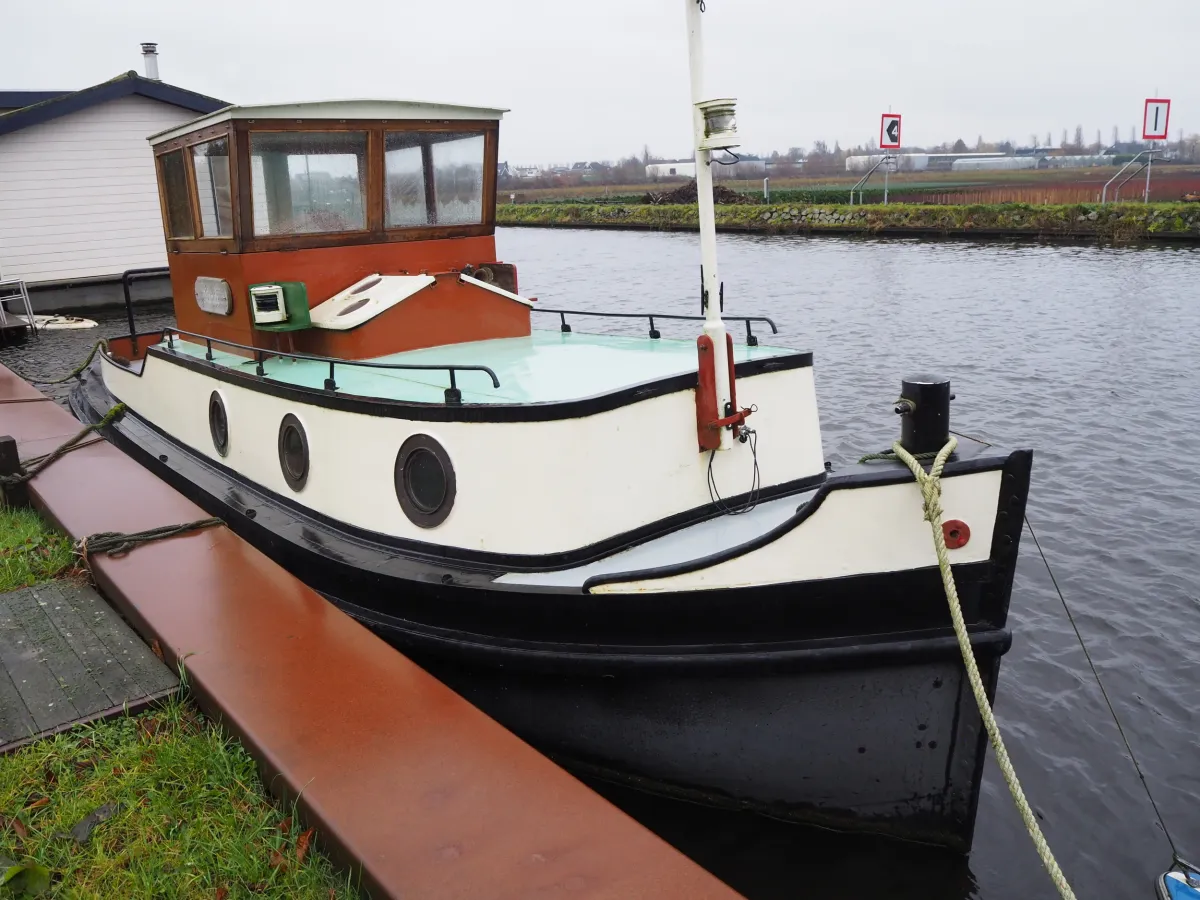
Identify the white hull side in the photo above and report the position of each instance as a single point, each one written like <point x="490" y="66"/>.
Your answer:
<point x="522" y="487"/>
<point x="854" y="532"/>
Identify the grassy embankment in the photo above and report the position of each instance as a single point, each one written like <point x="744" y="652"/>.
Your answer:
<point x="1117" y="222"/>
<point x="159" y="805"/>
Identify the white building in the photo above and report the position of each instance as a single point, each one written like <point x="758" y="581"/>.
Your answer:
<point x="78" y="197"/>
<point x="672" y="168"/>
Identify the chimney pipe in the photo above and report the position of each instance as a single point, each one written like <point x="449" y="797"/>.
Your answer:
<point x="150" y="55"/>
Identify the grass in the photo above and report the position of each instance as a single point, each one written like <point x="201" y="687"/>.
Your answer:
<point x="30" y="551"/>
<point x="188" y="817"/>
<point x="1117" y="222"/>
<point x="176" y="806"/>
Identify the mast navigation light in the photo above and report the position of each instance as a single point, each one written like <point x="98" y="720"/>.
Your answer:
<point x="720" y="124"/>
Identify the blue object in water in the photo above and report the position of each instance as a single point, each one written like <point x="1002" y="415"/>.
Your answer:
<point x="1180" y="882"/>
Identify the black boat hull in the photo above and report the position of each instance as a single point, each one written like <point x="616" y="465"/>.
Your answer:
<point x="842" y="702"/>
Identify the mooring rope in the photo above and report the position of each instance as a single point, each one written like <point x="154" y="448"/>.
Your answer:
<point x="1104" y="692"/>
<point x="74" y="373"/>
<point x="42" y="461"/>
<point x="930" y="484"/>
<point x="891" y="456"/>
<point x="118" y="543"/>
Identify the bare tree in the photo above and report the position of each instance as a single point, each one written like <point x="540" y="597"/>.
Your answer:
<point x="1116" y="135"/>
<point x="1049" y="143"/>
<point x="1064" y="140"/>
<point x="1079" y="137"/>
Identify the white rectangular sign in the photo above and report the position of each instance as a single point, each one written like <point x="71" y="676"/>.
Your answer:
<point x="1158" y="116"/>
<point x="889" y="132"/>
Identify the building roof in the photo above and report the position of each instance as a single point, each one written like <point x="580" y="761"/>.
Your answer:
<point x="53" y="104"/>
<point x="18" y="99"/>
<point x="385" y="110"/>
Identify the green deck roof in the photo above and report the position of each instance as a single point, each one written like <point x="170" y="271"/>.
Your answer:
<point x="546" y="367"/>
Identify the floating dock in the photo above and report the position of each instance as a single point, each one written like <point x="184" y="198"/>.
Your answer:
<point x="408" y="785"/>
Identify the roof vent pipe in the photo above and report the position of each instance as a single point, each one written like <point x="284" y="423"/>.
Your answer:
<point x="150" y="55"/>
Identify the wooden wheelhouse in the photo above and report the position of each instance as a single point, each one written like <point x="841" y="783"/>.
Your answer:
<point x="340" y="229"/>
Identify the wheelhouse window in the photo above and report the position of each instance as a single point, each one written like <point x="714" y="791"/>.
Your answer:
<point x="211" y="162"/>
<point x="173" y="175"/>
<point x="433" y="178"/>
<point x="304" y="182"/>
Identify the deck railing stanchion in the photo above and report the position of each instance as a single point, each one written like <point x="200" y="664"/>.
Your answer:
<point x="258" y="363"/>
<point x="330" y="384"/>
<point x="453" y="394"/>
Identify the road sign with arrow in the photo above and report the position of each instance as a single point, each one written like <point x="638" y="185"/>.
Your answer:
<point x="889" y="132"/>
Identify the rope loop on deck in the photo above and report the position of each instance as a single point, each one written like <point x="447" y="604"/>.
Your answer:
<point x="35" y="464"/>
<point x="119" y="543"/>
<point x="890" y="456"/>
<point x="931" y="499"/>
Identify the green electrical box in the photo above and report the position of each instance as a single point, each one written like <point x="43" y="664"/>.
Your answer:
<point x="279" y="306"/>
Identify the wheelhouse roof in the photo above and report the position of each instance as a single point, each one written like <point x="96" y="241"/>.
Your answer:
<point x="382" y="110"/>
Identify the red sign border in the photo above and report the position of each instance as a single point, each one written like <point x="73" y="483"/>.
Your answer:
<point x="896" y="146"/>
<point x="1166" y="135"/>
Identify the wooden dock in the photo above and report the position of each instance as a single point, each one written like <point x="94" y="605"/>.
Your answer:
<point x="66" y="657"/>
<point x="409" y="786"/>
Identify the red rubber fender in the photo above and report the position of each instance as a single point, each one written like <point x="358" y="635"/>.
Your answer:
<point x="956" y="532"/>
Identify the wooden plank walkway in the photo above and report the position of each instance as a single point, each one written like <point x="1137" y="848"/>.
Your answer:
<point x="66" y="657"/>
<point x="409" y="786"/>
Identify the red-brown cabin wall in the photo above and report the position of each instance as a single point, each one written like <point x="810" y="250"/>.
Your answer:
<point x="448" y="313"/>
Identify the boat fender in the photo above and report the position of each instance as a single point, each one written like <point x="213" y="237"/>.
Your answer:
<point x="1180" y="882"/>
<point x="956" y="532"/>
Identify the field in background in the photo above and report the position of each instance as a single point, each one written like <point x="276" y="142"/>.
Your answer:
<point x="1047" y="186"/>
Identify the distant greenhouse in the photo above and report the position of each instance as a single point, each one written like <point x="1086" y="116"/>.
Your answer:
<point x="997" y="163"/>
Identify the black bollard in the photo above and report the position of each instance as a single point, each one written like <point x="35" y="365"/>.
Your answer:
<point x="924" y="410"/>
<point x="10" y="464"/>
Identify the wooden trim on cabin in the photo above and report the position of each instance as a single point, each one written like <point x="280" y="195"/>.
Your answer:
<point x="490" y="156"/>
<point x="189" y="168"/>
<point x="203" y="245"/>
<point x="162" y="204"/>
<point x="341" y="238"/>
<point x="375" y="182"/>
<point x="243" y="240"/>
<point x="195" y="137"/>
<point x="245" y="208"/>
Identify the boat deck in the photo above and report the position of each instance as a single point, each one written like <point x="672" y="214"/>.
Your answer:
<point x="546" y="367"/>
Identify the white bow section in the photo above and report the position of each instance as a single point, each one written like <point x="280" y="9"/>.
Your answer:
<point x="365" y="299"/>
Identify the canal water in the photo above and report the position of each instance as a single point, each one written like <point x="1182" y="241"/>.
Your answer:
<point x="1089" y="355"/>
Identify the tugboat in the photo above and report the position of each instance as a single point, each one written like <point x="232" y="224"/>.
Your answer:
<point x="627" y="549"/>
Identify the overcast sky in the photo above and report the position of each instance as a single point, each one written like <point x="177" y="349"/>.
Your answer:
<point x="600" y="79"/>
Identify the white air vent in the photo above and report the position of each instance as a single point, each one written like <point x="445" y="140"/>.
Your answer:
<point x="267" y="302"/>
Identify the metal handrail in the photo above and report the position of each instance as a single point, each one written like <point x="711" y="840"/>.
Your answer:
<point x="862" y="182"/>
<point x="1117" y="192"/>
<point x="453" y="394"/>
<point x="655" y="334"/>
<point x="127" y="278"/>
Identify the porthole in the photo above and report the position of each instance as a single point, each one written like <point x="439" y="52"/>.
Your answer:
<point x="293" y="452"/>
<point x="424" y="480"/>
<point x="218" y="423"/>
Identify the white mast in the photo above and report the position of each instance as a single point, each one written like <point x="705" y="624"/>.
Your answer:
<point x="714" y="327"/>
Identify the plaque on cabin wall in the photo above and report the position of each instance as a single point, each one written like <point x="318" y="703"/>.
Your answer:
<point x="214" y="296"/>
